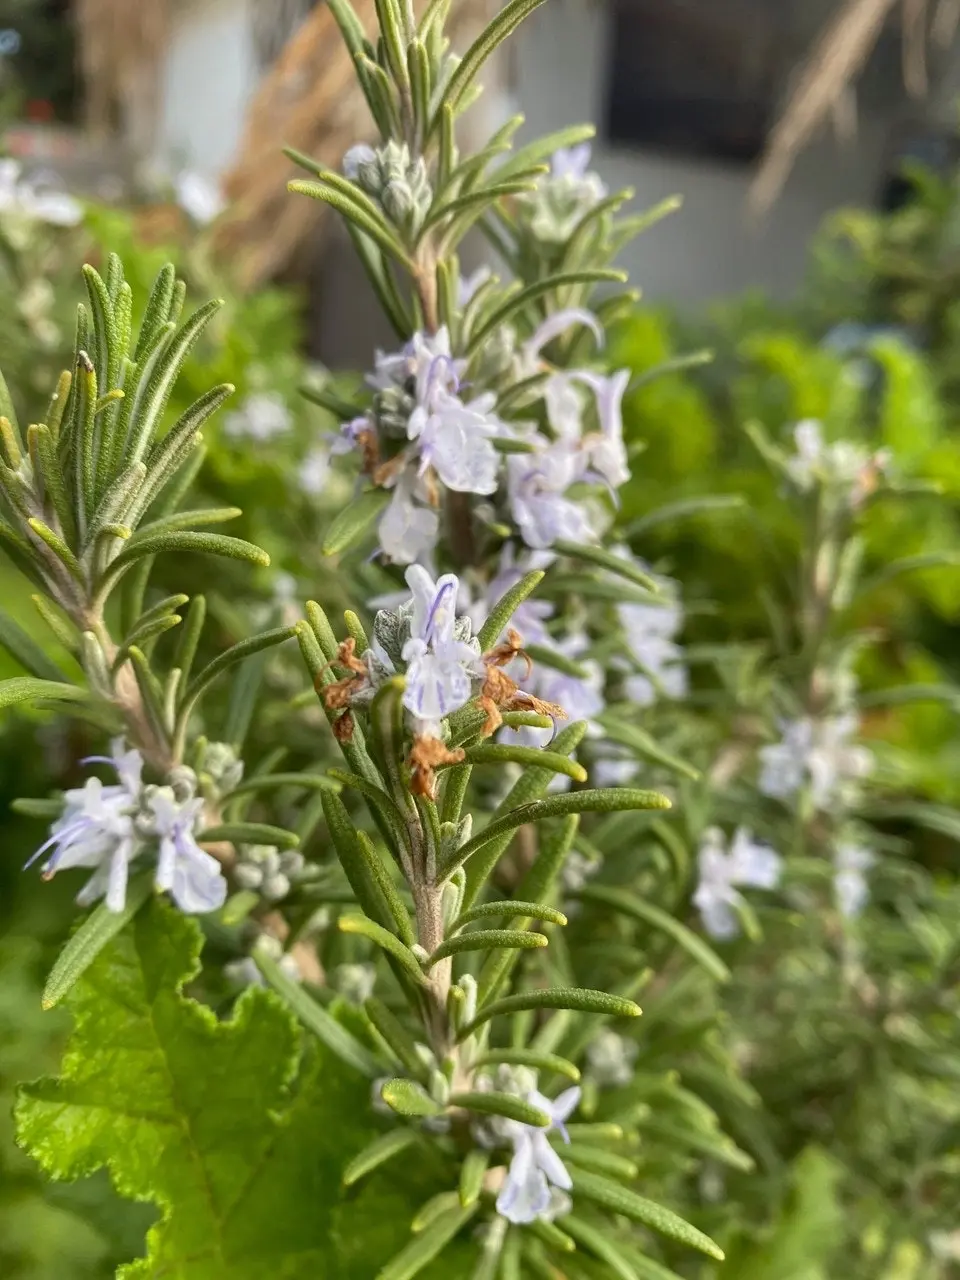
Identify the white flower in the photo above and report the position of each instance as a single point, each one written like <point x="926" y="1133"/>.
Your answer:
<point x="408" y="531"/>
<point x="262" y="416"/>
<point x="815" y="753"/>
<point x="314" y="470"/>
<point x="526" y="1192"/>
<point x="440" y="668"/>
<point x="611" y="1058"/>
<point x="199" y="196"/>
<point x="843" y="464"/>
<point x="191" y="876"/>
<point x="650" y="631"/>
<point x="355" y="982"/>
<point x="849" y="882"/>
<point x="746" y="863"/>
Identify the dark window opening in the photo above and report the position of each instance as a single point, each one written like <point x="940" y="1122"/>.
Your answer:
<point x="689" y="78"/>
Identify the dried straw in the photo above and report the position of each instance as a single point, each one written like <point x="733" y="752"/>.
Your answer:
<point x="839" y="53"/>
<point x="121" y="45"/>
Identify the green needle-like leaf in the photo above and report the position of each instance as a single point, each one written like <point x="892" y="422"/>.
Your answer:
<point x="502" y="1104"/>
<point x="409" y="1099"/>
<point x="431" y="1242"/>
<point x="599" y="801"/>
<point x="508" y="907"/>
<point x="378" y="1153"/>
<point x="506" y="607"/>
<point x="527" y="757"/>
<point x="620" y="1200"/>
<point x="21" y="689"/>
<point x="488" y="940"/>
<point x="384" y="938"/>
<point x="556" y="998"/>
<point x="353" y="522"/>
<point x="249" y="833"/>
<point x="544" y="1062"/>
<point x="646" y="913"/>
<point x="316" y="1019"/>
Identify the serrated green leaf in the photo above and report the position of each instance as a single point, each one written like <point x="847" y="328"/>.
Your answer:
<point x="95" y="933"/>
<point x="196" y="1115"/>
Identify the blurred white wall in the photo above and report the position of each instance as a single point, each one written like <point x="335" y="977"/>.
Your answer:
<point x="709" y="248"/>
<point x="209" y="79"/>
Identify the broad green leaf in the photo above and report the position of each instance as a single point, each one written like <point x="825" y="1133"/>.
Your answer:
<point x="197" y="1116"/>
<point x="96" y="932"/>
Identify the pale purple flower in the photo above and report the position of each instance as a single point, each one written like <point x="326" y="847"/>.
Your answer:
<point x="606" y="452"/>
<point x="355" y="158"/>
<point x="536" y="487"/>
<point x="530" y="617"/>
<point x="844" y="464"/>
<point x="536" y="1167"/>
<point x="551" y="328"/>
<point x="850" y="886"/>
<point x="571" y="162"/>
<point x="455" y="440"/>
<point x="96" y="829"/>
<point x="440" y="668"/>
<point x="192" y="877"/>
<point x="722" y="869"/>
